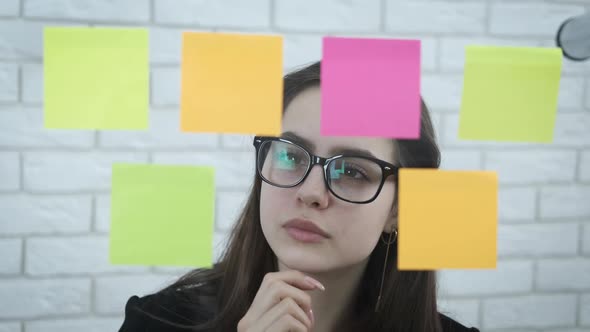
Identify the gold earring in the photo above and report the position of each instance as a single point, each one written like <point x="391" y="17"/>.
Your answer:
<point x="388" y="243"/>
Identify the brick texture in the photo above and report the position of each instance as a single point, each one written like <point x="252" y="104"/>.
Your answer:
<point x="55" y="184"/>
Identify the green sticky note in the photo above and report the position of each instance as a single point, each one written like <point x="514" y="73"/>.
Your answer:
<point x="162" y="215"/>
<point x="96" y="78"/>
<point x="510" y="93"/>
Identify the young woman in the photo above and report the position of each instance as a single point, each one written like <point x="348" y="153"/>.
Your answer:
<point x="315" y="246"/>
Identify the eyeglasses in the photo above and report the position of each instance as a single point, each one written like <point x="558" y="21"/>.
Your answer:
<point x="354" y="179"/>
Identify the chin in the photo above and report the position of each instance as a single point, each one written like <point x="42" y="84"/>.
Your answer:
<point x="305" y="267"/>
<point x="304" y="262"/>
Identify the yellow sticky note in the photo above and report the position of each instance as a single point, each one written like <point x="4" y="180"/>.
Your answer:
<point x="510" y="93"/>
<point x="447" y="219"/>
<point x="96" y="78"/>
<point x="162" y="215"/>
<point x="232" y="83"/>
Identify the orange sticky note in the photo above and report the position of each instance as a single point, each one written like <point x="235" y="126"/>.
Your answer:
<point x="232" y="83"/>
<point x="447" y="219"/>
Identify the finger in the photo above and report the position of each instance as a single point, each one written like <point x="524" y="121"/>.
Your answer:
<point x="286" y="307"/>
<point x="295" y="278"/>
<point x="275" y="293"/>
<point x="278" y="285"/>
<point x="287" y="323"/>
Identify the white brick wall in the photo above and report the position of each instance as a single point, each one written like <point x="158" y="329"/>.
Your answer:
<point x="452" y="49"/>
<point x="77" y="255"/>
<point x="102" y="213"/>
<point x="516" y="204"/>
<point x="9" y="8"/>
<point x="23" y="128"/>
<point x="10" y="327"/>
<point x="508" y="277"/>
<point x="442" y="93"/>
<point x="300" y="49"/>
<point x="228" y="208"/>
<point x="535" y="166"/>
<point x="531" y="311"/>
<point x="465" y="311"/>
<point x="436" y="16"/>
<point x="165" y="86"/>
<point x="586" y="239"/>
<point x="26" y="44"/>
<point x="9" y="171"/>
<point x="44" y="171"/>
<point x="569" y="201"/>
<point x="27" y="298"/>
<point x="527" y="19"/>
<point x="559" y="239"/>
<point x="137" y="11"/>
<point x="461" y="159"/>
<point x="74" y="325"/>
<point x="44" y="214"/>
<point x="32" y="78"/>
<point x="551" y="274"/>
<point x="162" y="134"/>
<point x="11" y="260"/>
<point x="55" y="184"/>
<point x="584" y="169"/>
<point x="232" y="169"/>
<point x="570" y="129"/>
<point x="223" y="13"/>
<point x="111" y="293"/>
<point x="328" y="15"/>
<point x="8" y="83"/>
<point x="585" y="310"/>
<point x="571" y="93"/>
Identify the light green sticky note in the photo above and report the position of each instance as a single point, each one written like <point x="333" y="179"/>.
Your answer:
<point x="162" y="215"/>
<point x="96" y="78"/>
<point x="510" y="93"/>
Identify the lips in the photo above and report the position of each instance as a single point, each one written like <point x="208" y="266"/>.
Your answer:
<point x="305" y="226"/>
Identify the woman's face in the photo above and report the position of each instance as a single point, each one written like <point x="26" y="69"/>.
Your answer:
<point x="352" y="229"/>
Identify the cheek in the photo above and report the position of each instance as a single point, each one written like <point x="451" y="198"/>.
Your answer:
<point x="360" y="231"/>
<point x="272" y="203"/>
<point x="362" y="226"/>
<point x="384" y="202"/>
<point x="387" y="194"/>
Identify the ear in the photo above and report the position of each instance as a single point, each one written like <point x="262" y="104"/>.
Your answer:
<point x="391" y="223"/>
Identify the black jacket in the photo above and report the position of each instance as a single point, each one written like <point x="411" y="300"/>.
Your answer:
<point x="169" y="308"/>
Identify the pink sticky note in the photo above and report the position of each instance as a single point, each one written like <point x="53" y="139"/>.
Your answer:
<point x="370" y="87"/>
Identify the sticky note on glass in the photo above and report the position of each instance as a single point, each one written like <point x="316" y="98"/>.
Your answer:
<point x="96" y="78"/>
<point x="370" y="87"/>
<point x="162" y="215"/>
<point x="510" y="93"/>
<point x="447" y="219"/>
<point x="231" y="83"/>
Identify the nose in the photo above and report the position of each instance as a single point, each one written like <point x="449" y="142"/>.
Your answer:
<point x="313" y="191"/>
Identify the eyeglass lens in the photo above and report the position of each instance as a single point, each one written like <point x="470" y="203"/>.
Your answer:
<point x="350" y="178"/>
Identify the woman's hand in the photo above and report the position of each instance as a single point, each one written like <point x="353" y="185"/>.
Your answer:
<point x="281" y="304"/>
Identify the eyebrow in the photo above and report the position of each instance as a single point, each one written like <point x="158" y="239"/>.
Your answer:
<point x="291" y="136"/>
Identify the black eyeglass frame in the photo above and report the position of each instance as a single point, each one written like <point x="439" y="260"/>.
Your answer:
<point x="387" y="169"/>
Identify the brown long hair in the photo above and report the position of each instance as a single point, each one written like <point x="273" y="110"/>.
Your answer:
<point x="408" y="302"/>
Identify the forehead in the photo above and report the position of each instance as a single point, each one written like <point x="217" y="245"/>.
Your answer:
<point x="302" y="117"/>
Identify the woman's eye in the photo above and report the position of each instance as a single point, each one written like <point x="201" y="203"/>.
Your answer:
<point x="293" y="157"/>
<point x="354" y="173"/>
<point x="290" y="156"/>
<point x="349" y="170"/>
<point x="287" y="159"/>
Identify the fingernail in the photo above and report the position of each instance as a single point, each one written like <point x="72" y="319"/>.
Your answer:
<point x="311" y="316"/>
<point x="315" y="283"/>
